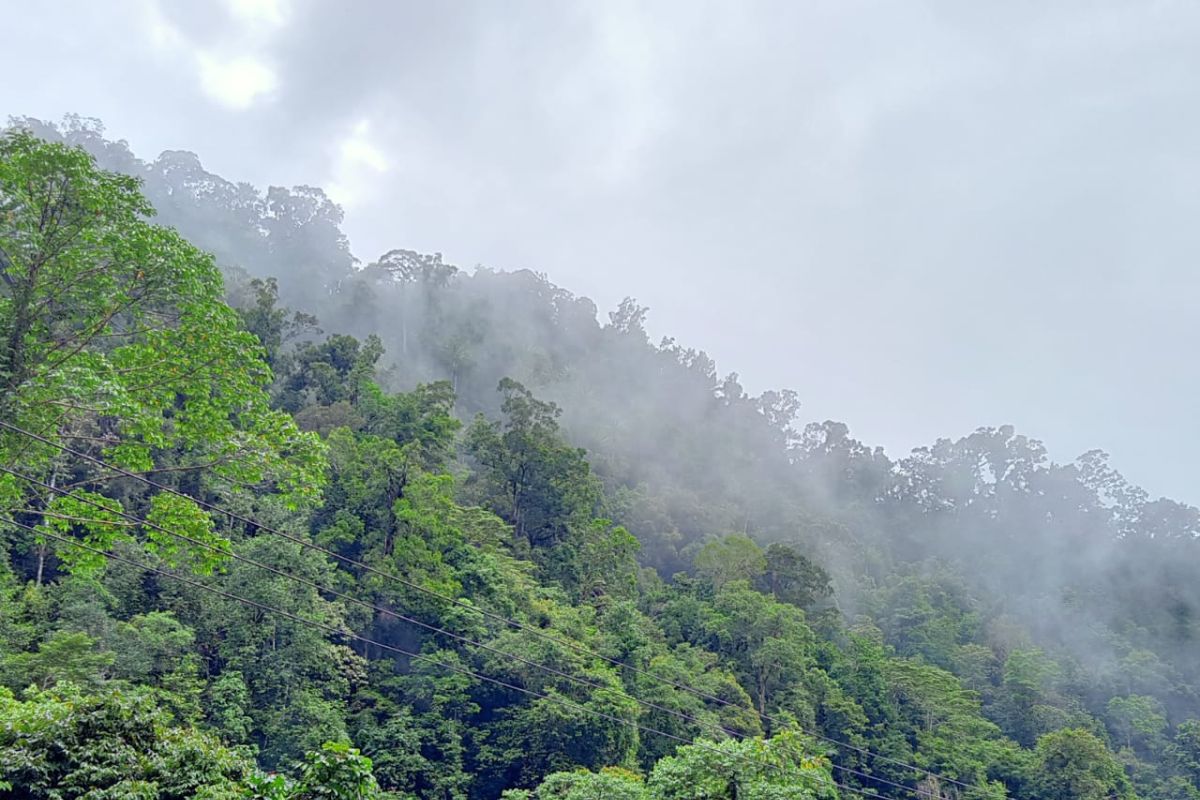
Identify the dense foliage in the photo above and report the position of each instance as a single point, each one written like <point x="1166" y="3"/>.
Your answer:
<point x="708" y="601"/>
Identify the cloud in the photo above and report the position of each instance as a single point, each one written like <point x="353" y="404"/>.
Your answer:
<point x="357" y="165"/>
<point x="924" y="217"/>
<point x="231" y="70"/>
<point x="237" y="82"/>
<point x="271" y="13"/>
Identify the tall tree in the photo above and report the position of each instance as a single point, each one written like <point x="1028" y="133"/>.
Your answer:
<point x="1073" y="764"/>
<point x="114" y="339"/>
<point x="535" y="480"/>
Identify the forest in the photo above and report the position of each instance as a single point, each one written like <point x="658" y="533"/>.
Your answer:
<point x="278" y="522"/>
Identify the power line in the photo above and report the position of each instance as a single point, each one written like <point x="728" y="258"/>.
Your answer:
<point x="428" y="626"/>
<point x="460" y="603"/>
<point x="415" y="656"/>
<point x="470" y="606"/>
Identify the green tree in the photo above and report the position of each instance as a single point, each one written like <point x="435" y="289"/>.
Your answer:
<point x="61" y="744"/>
<point x="114" y="338"/>
<point x="533" y="478"/>
<point x="406" y="269"/>
<point x="270" y="322"/>
<point x="599" y="562"/>
<point x="66" y="656"/>
<point x="733" y="558"/>
<point x="337" y="369"/>
<point x="790" y="577"/>
<point x="335" y="772"/>
<point x="1138" y="720"/>
<point x="573" y="726"/>
<point x="151" y="645"/>
<point x="610" y="783"/>
<point x="785" y="767"/>
<point x="229" y="707"/>
<point x="1072" y="764"/>
<point x="952" y="737"/>
<point x="1185" y="748"/>
<point x="770" y="644"/>
<point x="297" y="680"/>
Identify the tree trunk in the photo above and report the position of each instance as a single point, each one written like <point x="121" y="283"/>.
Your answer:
<point x="12" y="359"/>
<point x="43" y="548"/>
<point x="404" y="320"/>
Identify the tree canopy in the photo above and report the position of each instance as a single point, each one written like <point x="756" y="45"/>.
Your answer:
<point x="446" y="536"/>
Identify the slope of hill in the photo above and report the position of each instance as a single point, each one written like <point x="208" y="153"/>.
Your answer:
<point x="689" y="562"/>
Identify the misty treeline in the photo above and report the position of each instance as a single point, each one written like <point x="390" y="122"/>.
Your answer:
<point x="714" y="600"/>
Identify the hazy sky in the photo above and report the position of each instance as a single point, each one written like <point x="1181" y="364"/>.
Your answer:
<point x="924" y="217"/>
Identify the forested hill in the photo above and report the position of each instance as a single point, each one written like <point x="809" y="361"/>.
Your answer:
<point x="284" y="523"/>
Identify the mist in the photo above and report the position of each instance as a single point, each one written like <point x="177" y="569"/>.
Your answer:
<point x="835" y="358"/>
<point x="1062" y="552"/>
<point x="981" y="215"/>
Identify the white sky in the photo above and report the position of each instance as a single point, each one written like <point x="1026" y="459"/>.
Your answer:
<point x="924" y="217"/>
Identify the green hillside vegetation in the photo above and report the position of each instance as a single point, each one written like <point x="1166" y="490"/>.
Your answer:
<point x="278" y="523"/>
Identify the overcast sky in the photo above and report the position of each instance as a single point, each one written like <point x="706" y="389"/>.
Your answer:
<point x="924" y="217"/>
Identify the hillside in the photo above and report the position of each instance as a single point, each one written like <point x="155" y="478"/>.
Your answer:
<point x="399" y="527"/>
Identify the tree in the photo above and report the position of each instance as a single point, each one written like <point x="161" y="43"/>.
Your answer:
<point x="785" y="767"/>
<point x="536" y="480"/>
<point x="229" y="706"/>
<point x="407" y="267"/>
<point x="952" y="737"/>
<point x="792" y="578"/>
<point x="733" y="558"/>
<point x="1028" y="676"/>
<point x="304" y="240"/>
<point x="603" y="564"/>
<point x="337" y="369"/>
<point x="610" y="783"/>
<point x="114" y="339"/>
<point x="1138" y="719"/>
<point x="335" y="772"/>
<point x="270" y="322"/>
<point x="423" y="418"/>
<point x="770" y="642"/>
<point x="1072" y="764"/>
<point x="63" y="657"/>
<point x="1185" y="749"/>
<point x="295" y="679"/>
<point x="62" y="744"/>
<point x="574" y="725"/>
<point x="838" y="467"/>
